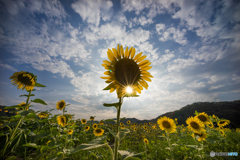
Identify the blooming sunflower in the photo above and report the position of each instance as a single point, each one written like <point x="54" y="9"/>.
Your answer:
<point x="145" y="127"/>
<point x="140" y="125"/>
<point x="122" y="127"/>
<point x="87" y="128"/>
<point x="21" y="106"/>
<point x="222" y="132"/>
<point x="150" y="123"/>
<point x="60" y="105"/>
<point x="146" y="141"/>
<point x="135" y="129"/>
<point x="6" y="111"/>
<point x="91" y="118"/>
<point x="154" y="127"/>
<point x="195" y="124"/>
<point x="121" y="124"/>
<point x="98" y="132"/>
<point x="223" y="123"/>
<point x="145" y="124"/>
<point x="135" y="124"/>
<point x="148" y="131"/>
<point x="62" y="120"/>
<point x="124" y="70"/>
<point x="95" y="126"/>
<point x="83" y="121"/>
<point x="101" y="123"/>
<point x="42" y="115"/>
<point x="203" y="117"/>
<point x="202" y="136"/>
<point x="167" y="124"/>
<point x="210" y="125"/>
<point x="128" y="122"/>
<point x="69" y="132"/>
<point x="24" y="80"/>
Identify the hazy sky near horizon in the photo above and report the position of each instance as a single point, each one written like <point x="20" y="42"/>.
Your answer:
<point x="193" y="46"/>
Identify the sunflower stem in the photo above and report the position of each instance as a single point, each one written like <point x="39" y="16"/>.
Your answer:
<point x="118" y="118"/>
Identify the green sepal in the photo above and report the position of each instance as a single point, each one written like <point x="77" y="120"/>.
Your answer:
<point x="196" y="113"/>
<point x="39" y="85"/>
<point x="38" y="101"/>
<point x="27" y="95"/>
<point x="130" y="95"/>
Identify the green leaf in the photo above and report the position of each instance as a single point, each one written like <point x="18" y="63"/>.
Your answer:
<point x="12" y="158"/>
<point x="127" y="154"/>
<point x="123" y="118"/>
<point x="34" y="145"/>
<point x="38" y="101"/>
<point x="17" y="116"/>
<point x="122" y="133"/>
<point x="93" y="144"/>
<point x="111" y="104"/>
<point x="11" y="107"/>
<point x="39" y="85"/>
<point x="27" y="95"/>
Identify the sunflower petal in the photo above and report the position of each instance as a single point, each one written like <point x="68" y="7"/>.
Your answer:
<point x="137" y="56"/>
<point x="146" y="79"/>
<point x="139" y="86"/>
<point x="107" y="62"/>
<point x="107" y="73"/>
<point x="145" y="65"/>
<point x="141" y="58"/>
<point x="143" y="83"/>
<point x="146" y="68"/>
<point x="126" y="52"/>
<point x="143" y="62"/>
<point x="110" y="56"/>
<point x="147" y="75"/>
<point x="105" y="77"/>
<point x="122" y="51"/>
<point x="133" y="53"/>
<point x="112" y="90"/>
<point x="137" y="89"/>
<point x="129" y="52"/>
<point x="115" y="52"/>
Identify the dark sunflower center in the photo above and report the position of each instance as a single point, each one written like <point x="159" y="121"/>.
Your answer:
<point x="166" y="124"/>
<point x="221" y="122"/>
<point x="61" y="104"/>
<point x="194" y="125"/>
<point x="127" y="72"/>
<point x="62" y="120"/>
<point x="98" y="130"/>
<point x="202" y="118"/>
<point x="24" y="80"/>
<point x="94" y="126"/>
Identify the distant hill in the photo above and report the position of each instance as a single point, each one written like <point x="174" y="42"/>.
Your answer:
<point x="226" y="110"/>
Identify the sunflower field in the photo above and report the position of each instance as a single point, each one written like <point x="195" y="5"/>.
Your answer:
<point x="40" y="135"/>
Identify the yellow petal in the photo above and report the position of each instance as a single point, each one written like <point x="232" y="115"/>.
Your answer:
<point x="104" y="65"/>
<point x="143" y="83"/>
<point x="112" y="90"/>
<point x="126" y="52"/>
<point x="115" y="52"/>
<point x="122" y="52"/>
<point x="107" y="73"/>
<point x="137" y="89"/>
<point x="145" y="72"/>
<point x="141" y="58"/>
<point x="146" y="68"/>
<point x="147" y="75"/>
<point x="137" y="56"/>
<point x="105" y="77"/>
<point x="129" y="52"/>
<point x="146" y="79"/>
<point x="143" y="62"/>
<point x="145" y="65"/>
<point x="110" y="56"/>
<point x="133" y="53"/>
<point x="139" y="86"/>
<point x="108" y="81"/>
<point x="107" y="62"/>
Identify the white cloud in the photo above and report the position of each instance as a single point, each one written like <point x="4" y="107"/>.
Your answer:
<point x="8" y="67"/>
<point x="92" y="11"/>
<point x="165" y="58"/>
<point x="171" y="33"/>
<point x="142" y="20"/>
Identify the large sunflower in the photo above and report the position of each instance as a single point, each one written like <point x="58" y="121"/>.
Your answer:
<point x="24" y="80"/>
<point x="87" y="128"/>
<point x="203" y="117"/>
<point x="223" y="123"/>
<point x="62" y="120"/>
<point x="95" y="126"/>
<point x="98" y="132"/>
<point x="167" y="124"/>
<point x="195" y="125"/>
<point x="60" y="105"/>
<point x="124" y="71"/>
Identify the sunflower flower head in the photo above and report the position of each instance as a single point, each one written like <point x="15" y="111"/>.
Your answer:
<point x="69" y="131"/>
<point x="22" y="106"/>
<point x="62" y="120"/>
<point x="195" y="125"/>
<point x="203" y="117"/>
<point x="145" y="140"/>
<point x="98" y="132"/>
<point x="167" y="124"/>
<point x="122" y="127"/>
<point x="126" y="73"/>
<point x="128" y="122"/>
<point x="101" y="123"/>
<point x="87" y="128"/>
<point x="121" y="124"/>
<point x="91" y="118"/>
<point x="135" y="129"/>
<point x="83" y="121"/>
<point x="43" y="115"/>
<point x="223" y="123"/>
<point x="60" y="105"/>
<point x="24" y="80"/>
<point x="95" y="126"/>
<point x="200" y="137"/>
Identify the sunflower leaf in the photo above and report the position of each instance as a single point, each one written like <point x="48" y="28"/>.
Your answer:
<point x="38" y="101"/>
<point x="34" y="145"/>
<point x="39" y="85"/>
<point x="27" y="95"/>
<point x="111" y="104"/>
<point x="126" y="154"/>
<point x="11" y="107"/>
<point x="93" y="144"/>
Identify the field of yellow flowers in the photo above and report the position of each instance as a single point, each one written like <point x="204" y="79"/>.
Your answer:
<point x="40" y="135"/>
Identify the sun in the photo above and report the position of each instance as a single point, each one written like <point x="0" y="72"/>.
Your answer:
<point x="129" y="89"/>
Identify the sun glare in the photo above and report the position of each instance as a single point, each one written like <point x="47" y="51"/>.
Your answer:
<point x="129" y="89"/>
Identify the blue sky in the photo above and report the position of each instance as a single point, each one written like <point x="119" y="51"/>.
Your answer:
<point x="193" y="46"/>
